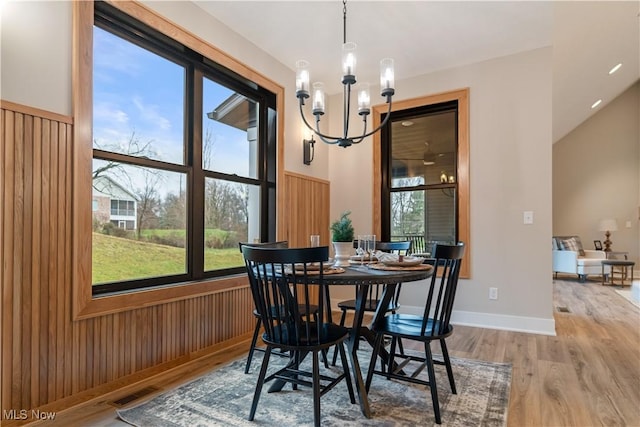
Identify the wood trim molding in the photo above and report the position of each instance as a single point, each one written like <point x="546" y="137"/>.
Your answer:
<point x="37" y="112"/>
<point x="464" y="210"/>
<point x="84" y="304"/>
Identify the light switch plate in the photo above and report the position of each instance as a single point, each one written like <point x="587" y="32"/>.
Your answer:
<point x="528" y="217"/>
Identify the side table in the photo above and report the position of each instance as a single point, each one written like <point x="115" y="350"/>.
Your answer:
<point x="616" y="254"/>
<point x="623" y="268"/>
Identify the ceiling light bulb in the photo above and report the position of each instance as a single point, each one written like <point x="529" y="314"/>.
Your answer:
<point x="595" y="104"/>
<point x="616" y="68"/>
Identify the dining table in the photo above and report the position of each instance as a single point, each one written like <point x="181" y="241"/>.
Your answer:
<point x="362" y="276"/>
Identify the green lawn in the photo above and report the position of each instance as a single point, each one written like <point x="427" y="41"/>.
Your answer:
<point x="116" y="259"/>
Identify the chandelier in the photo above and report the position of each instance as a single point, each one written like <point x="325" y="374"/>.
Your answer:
<point x="348" y="80"/>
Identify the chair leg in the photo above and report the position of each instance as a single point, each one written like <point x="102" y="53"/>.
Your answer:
<point x="254" y="340"/>
<point x="347" y="374"/>
<point x="260" y="383"/>
<point x="400" y="346"/>
<point x="447" y="362"/>
<point x="325" y="357"/>
<point x="335" y="353"/>
<point x="316" y="389"/>
<point x="392" y="356"/>
<point x="432" y="382"/>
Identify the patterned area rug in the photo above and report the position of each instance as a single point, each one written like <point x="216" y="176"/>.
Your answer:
<point x="223" y="398"/>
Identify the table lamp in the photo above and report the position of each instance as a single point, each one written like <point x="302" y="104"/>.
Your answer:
<point x="608" y="225"/>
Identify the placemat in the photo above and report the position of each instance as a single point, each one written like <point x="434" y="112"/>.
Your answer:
<point x="408" y="268"/>
<point x="327" y="271"/>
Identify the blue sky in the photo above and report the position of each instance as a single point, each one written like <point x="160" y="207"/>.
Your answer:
<point x="136" y="91"/>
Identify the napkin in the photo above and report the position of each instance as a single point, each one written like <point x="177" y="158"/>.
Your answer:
<point x="386" y="257"/>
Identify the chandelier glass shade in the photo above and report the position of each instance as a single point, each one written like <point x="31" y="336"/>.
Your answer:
<point x="317" y="93"/>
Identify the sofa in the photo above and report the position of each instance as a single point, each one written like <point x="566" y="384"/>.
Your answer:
<point x="570" y="257"/>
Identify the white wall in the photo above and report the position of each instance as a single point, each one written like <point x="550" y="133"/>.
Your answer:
<point x="510" y="162"/>
<point x="510" y="143"/>
<point x="596" y="175"/>
<point x="191" y="17"/>
<point x="36" y="63"/>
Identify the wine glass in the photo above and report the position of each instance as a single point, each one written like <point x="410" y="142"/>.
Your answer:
<point x="360" y="250"/>
<point x="371" y="247"/>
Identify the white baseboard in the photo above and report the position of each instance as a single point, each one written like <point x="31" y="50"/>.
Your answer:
<point x="532" y="325"/>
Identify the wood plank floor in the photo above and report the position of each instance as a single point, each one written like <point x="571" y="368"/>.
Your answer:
<point x="587" y="375"/>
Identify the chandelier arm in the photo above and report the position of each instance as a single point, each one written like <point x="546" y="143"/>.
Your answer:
<point x="384" y="122"/>
<point x="364" y="131"/>
<point x="319" y="134"/>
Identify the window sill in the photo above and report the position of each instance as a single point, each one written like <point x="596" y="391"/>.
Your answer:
<point x="85" y="308"/>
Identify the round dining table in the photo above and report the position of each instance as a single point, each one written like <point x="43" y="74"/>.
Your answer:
<point x="363" y="276"/>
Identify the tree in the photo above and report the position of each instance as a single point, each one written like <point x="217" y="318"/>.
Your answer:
<point x="132" y="147"/>
<point x="173" y="211"/>
<point x="148" y="202"/>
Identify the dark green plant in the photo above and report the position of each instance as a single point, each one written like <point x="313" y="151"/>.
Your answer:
<point x="342" y="229"/>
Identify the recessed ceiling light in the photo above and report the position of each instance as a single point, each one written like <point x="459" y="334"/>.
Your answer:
<point x="407" y="123"/>
<point x="595" y="104"/>
<point x="616" y="68"/>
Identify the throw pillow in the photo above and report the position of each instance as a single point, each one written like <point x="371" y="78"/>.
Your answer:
<point x="572" y="245"/>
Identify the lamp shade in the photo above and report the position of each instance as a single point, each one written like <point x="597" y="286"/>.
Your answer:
<point x="608" y="225"/>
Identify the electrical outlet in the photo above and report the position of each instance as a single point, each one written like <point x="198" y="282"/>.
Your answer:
<point x="493" y="293"/>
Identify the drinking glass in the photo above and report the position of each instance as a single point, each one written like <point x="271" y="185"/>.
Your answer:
<point x="360" y="249"/>
<point x="371" y="246"/>
<point x="315" y="240"/>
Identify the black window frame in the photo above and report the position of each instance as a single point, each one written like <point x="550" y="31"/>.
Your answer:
<point x="386" y="163"/>
<point x="197" y="67"/>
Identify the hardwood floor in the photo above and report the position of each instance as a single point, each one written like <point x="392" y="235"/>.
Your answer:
<point x="587" y="375"/>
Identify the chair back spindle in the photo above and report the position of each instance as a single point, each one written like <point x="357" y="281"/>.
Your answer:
<point x="442" y="290"/>
<point x="283" y="284"/>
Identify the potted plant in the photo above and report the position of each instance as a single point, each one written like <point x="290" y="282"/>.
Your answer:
<point x="342" y="239"/>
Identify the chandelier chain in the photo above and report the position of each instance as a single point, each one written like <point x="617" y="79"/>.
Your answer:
<point x="344" y="21"/>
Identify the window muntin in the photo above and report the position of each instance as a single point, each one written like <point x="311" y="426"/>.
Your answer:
<point x="421" y="193"/>
<point x="171" y="212"/>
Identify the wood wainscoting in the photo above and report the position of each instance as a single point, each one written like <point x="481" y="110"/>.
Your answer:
<point x="305" y="210"/>
<point x="47" y="356"/>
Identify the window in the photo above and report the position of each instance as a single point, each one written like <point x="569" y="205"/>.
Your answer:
<point x="419" y="151"/>
<point x="183" y="160"/>
<point x="421" y="172"/>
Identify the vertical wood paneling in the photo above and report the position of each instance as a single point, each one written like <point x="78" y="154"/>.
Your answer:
<point x="46" y="356"/>
<point x="7" y="265"/>
<point x="306" y="209"/>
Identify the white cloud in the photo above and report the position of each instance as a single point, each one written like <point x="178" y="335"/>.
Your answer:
<point x="150" y="114"/>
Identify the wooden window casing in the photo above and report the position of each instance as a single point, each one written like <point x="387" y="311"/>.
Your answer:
<point x="464" y="218"/>
<point x="84" y="303"/>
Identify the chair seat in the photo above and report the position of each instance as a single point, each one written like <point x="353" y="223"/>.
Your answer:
<point x="409" y="326"/>
<point x="370" y="305"/>
<point x="330" y="334"/>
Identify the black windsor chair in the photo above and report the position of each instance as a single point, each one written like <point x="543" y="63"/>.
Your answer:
<point x="375" y="291"/>
<point x="256" y="331"/>
<point x="283" y="282"/>
<point x="432" y="325"/>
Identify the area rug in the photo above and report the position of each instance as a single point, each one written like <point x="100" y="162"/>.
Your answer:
<point x="223" y="398"/>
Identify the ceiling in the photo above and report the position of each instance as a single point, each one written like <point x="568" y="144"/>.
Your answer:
<point x="588" y="39"/>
